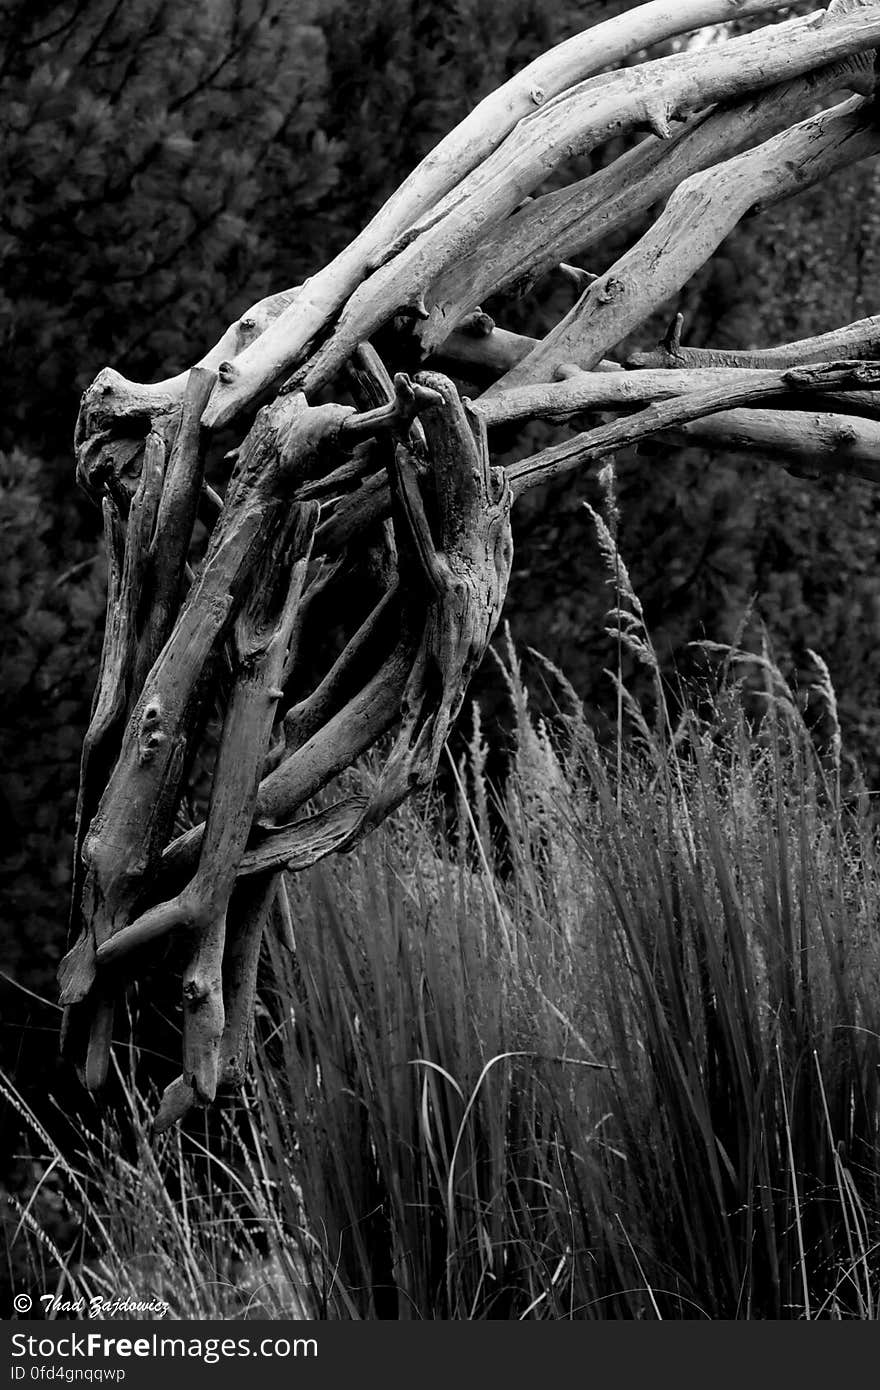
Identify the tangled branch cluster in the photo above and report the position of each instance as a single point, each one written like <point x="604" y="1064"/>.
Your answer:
<point x="405" y="473"/>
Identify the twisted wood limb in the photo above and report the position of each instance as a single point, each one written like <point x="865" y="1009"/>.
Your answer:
<point x="697" y="218"/>
<point x="570" y="125"/>
<point x="370" y="712"/>
<point x="854" y="340"/>
<point x="598" y="443"/>
<point x="262" y="635"/>
<point x="464" y="557"/>
<point x="556" y="226"/>
<point x="455" y="551"/>
<point x="446" y="168"/>
<point x="135" y="813"/>
<point x="284" y="447"/>
<point x="583" y="391"/>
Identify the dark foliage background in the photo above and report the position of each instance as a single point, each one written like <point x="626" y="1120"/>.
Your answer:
<point x="164" y="166"/>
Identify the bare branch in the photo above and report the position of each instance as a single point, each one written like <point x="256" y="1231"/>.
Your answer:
<point x="810" y="441"/>
<point x="134" y="817"/>
<point x="261" y="642"/>
<point x="446" y="167"/>
<point x="598" y="443"/>
<point x="570" y="221"/>
<point x="454" y="575"/>
<point x="855" y="340"/>
<point x="583" y="391"/>
<point x="248" y="911"/>
<point x="697" y="218"/>
<point x="570" y="125"/>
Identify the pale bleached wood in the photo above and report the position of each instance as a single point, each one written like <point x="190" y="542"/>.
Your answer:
<point x="481" y="133"/>
<point x="697" y="218"/>
<point x="572" y="124"/>
<point x="598" y="443"/>
<point x="853" y="340"/>
<point x="133" y="820"/>
<point x="272" y="336"/>
<point x="817" y="442"/>
<point x="297" y="315"/>
<point x="261" y="640"/>
<point x="571" y="221"/>
<point x="603" y="390"/>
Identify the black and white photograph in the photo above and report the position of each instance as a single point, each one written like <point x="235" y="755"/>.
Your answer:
<point x="440" y="677"/>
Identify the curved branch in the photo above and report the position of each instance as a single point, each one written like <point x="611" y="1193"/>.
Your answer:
<point x="652" y="93"/>
<point x="697" y="218"/>
<point x="599" y="443"/>
<point x="446" y="167"/>
<point x="569" y="222"/>
<point x="855" y="340"/>
<point x="815" y="442"/>
<point x="134" y="815"/>
<point x="603" y="390"/>
<point x="262" y="637"/>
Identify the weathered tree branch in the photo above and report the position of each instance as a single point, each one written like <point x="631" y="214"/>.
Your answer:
<point x="296" y="316"/>
<point x="181" y="490"/>
<point x="814" y="442"/>
<point x="572" y="220"/>
<point x="697" y="218"/>
<point x="250" y="907"/>
<point x="458" y="570"/>
<point x="399" y="488"/>
<point x="481" y="133"/>
<point x="134" y="817"/>
<point x="585" y="391"/>
<point x="261" y="642"/>
<point x="860" y="339"/>
<point x="598" y="443"/>
<point x="360" y="723"/>
<point x="652" y="93"/>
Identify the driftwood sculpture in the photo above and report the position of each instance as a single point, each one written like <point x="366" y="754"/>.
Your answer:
<point x="403" y="469"/>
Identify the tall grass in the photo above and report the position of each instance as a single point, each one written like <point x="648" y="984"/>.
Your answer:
<point x="186" y="1219"/>
<point x="614" y="1057"/>
<point x="603" y="1043"/>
